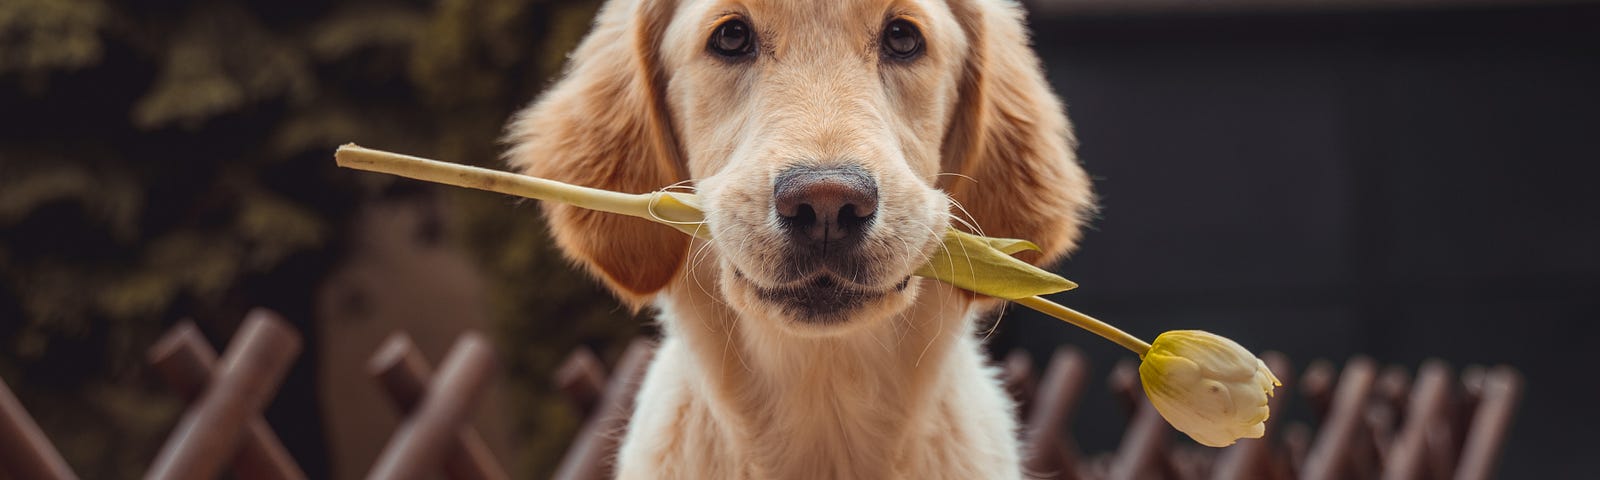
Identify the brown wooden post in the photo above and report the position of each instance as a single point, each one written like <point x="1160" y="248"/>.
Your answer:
<point x="186" y="362"/>
<point x="1408" y="456"/>
<point x="1144" y="445"/>
<point x="1502" y="388"/>
<point x="583" y="379"/>
<point x="25" y="453"/>
<point x="1044" y="446"/>
<point x="1297" y="439"/>
<point x="243" y="383"/>
<point x="589" y="456"/>
<point x="1316" y="384"/>
<point x="1472" y="377"/>
<point x="1016" y="376"/>
<point x="418" y="447"/>
<point x="404" y="374"/>
<point x="1391" y="390"/>
<point x="1330" y="452"/>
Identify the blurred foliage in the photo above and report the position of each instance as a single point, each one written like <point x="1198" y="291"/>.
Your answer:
<point x="167" y="159"/>
<point x="43" y="35"/>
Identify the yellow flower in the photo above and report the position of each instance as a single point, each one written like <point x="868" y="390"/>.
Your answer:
<point x="1207" y="386"/>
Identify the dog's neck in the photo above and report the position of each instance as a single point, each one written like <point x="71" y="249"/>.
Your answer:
<point x="842" y="404"/>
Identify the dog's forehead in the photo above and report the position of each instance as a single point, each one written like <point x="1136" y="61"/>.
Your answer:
<point x="830" y="14"/>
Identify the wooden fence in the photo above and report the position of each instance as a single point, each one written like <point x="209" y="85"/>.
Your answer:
<point x="1372" y="422"/>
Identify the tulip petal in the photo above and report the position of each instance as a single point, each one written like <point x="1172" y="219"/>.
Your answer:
<point x="984" y="265"/>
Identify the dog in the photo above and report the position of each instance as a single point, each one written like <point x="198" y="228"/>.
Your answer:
<point x="831" y="144"/>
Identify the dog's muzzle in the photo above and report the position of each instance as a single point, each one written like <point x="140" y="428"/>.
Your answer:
<point x="825" y="214"/>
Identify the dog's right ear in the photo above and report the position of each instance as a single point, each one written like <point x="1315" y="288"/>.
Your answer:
<point x="604" y="125"/>
<point x="1010" y="139"/>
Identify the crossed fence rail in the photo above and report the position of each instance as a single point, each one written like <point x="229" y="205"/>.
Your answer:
<point x="1372" y="422"/>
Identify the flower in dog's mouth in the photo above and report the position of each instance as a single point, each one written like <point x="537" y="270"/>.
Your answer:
<point x="1205" y="385"/>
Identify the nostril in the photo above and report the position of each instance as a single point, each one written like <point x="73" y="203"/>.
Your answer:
<point x="852" y="214"/>
<point x="798" y="216"/>
<point x="867" y="207"/>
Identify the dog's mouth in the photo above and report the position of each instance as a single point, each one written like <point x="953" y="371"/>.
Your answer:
<point x="822" y="299"/>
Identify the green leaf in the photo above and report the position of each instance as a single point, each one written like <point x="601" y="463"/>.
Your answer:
<point x="1009" y="246"/>
<point x="984" y="265"/>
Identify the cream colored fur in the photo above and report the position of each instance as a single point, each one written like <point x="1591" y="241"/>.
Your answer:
<point x="741" y="389"/>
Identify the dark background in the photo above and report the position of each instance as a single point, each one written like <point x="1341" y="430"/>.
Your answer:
<point x="1402" y="182"/>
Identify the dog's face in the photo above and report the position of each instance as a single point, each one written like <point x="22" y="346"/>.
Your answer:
<point x="812" y="131"/>
<point x="827" y="141"/>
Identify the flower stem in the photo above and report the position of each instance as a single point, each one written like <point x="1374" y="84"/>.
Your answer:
<point x="353" y="156"/>
<point x="674" y="209"/>
<point x="677" y="210"/>
<point x="1093" y="325"/>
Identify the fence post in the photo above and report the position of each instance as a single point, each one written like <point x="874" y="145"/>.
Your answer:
<point x="24" y="450"/>
<point x="251" y="370"/>
<point x="186" y="362"/>
<point x="418" y="447"/>
<point x="405" y="376"/>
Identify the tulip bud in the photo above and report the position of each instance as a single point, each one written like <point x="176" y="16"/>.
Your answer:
<point x="1207" y="386"/>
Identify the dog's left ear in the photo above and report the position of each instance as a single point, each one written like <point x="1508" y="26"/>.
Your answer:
<point x="1011" y="140"/>
<point x="605" y="125"/>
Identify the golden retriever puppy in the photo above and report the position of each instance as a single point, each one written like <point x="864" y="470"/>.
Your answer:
<point x="831" y="142"/>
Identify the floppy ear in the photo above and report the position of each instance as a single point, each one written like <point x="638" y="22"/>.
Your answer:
<point x="604" y="125"/>
<point x="1010" y="136"/>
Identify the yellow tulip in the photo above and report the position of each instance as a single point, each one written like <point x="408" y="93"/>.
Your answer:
<point x="1207" y="386"/>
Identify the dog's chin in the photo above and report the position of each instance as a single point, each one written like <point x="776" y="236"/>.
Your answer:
<point x="822" y="305"/>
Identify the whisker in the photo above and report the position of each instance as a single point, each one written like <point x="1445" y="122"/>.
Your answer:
<point x="879" y="341"/>
<point x="727" y="341"/>
<point x="963" y="222"/>
<point x="957" y="175"/>
<point x="693" y="264"/>
<point x="973" y="223"/>
<point x="681" y="186"/>
<point x="998" y="316"/>
<point x="945" y="296"/>
<point x="651" y="208"/>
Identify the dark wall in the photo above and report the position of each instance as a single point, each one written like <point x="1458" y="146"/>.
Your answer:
<point x="1401" y="184"/>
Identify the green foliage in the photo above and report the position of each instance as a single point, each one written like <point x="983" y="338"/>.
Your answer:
<point x="162" y="160"/>
<point x="38" y="36"/>
<point x="220" y="59"/>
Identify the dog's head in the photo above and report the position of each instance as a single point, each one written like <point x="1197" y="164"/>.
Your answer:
<point x="831" y="143"/>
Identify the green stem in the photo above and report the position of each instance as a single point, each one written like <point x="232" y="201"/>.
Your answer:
<point x="353" y="156"/>
<point x="1093" y="325"/>
<point x="673" y="209"/>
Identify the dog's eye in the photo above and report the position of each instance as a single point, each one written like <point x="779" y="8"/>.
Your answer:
<point x="732" y="39"/>
<point x="902" y="40"/>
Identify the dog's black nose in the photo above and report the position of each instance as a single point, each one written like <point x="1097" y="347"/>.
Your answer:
<point x="825" y="207"/>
